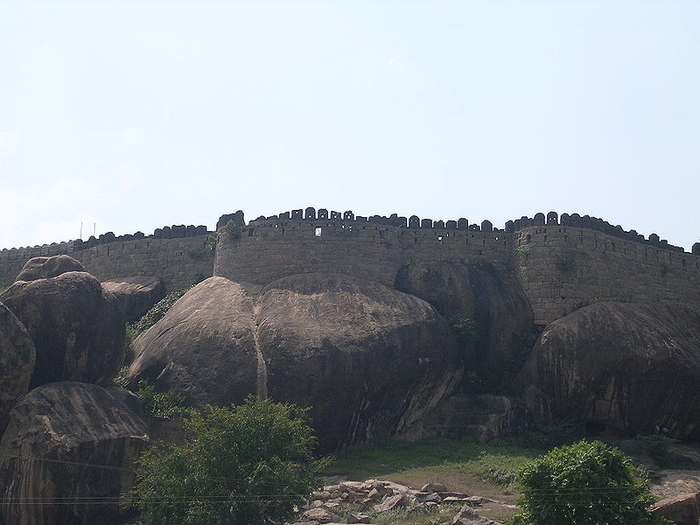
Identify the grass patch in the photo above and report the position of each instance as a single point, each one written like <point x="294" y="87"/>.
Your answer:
<point x="4" y="287"/>
<point x="462" y="465"/>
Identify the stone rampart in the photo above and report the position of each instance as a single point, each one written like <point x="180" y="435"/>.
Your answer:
<point x="179" y="255"/>
<point x="562" y="268"/>
<point x="562" y="262"/>
<point x="270" y="248"/>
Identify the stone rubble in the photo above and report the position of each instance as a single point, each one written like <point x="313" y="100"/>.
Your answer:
<point x="378" y="496"/>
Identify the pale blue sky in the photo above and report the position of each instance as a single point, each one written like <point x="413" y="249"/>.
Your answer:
<point x="140" y="114"/>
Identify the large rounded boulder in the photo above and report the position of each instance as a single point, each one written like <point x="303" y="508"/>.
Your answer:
<point x="369" y="360"/>
<point x="17" y="357"/>
<point x="479" y="291"/>
<point x="632" y="367"/>
<point x="67" y="456"/>
<point x="78" y="329"/>
<point x="47" y="267"/>
<point x="136" y="295"/>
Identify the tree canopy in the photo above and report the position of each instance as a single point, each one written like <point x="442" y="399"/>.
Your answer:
<point x="245" y="464"/>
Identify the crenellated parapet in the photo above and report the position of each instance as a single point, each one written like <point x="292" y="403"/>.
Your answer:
<point x="414" y="222"/>
<point x="177" y="254"/>
<point x="561" y="261"/>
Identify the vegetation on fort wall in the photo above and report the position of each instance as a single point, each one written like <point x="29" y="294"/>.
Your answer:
<point x="232" y="229"/>
<point x="4" y="287"/>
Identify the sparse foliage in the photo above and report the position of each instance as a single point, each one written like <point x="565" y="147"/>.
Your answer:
<point x="247" y="464"/>
<point x="464" y="328"/>
<point x="159" y="404"/>
<point x="156" y="313"/>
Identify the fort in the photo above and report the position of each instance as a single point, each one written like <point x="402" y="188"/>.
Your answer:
<point x="561" y="262"/>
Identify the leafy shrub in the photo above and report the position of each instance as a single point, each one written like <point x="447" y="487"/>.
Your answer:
<point x="156" y="313"/>
<point x="122" y="377"/>
<point x="583" y="484"/>
<point x="233" y="229"/>
<point x="247" y="464"/>
<point x="160" y="404"/>
<point x="464" y="329"/>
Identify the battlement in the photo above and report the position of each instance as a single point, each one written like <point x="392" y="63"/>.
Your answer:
<point x="560" y="261"/>
<point x="177" y="254"/>
<point x="416" y="223"/>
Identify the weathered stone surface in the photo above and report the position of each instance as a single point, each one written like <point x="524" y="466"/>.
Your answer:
<point x="17" y="357"/>
<point x="136" y="295"/>
<point x="77" y="328"/>
<point x="468" y="516"/>
<point x="483" y="416"/>
<point x="681" y="510"/>
<point x="479" y="291"/>
<point x="368" y="360"/>
<point x="47" y="267"/>
<point x="433" y="487"/>
<point x="204" y="346"/>
<point x="630" y="366"/>
<point x="320" y="515"/>
<point x="390" y="503"/>
<point x="82" y="443"/>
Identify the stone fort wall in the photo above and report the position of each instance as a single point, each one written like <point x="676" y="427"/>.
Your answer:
<point x="562" y="263"/>
<point x="179" y="255"/>
<point x="562" y="268"/>
<point x="268" y="249"/>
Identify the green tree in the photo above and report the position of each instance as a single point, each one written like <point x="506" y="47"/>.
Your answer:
<point x="250" y="464"/>
<point x="587" y="483"/>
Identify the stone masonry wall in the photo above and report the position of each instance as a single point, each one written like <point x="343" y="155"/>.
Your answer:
<point x="562" y="268"/>
<point x="179" y="262"/>
<point x="562" y="262"/>
<point x="269" y="249"/>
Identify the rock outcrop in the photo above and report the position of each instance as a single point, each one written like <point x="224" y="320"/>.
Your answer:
<point x="136" y="295"/>
<point x="67" y="456"/>
<point x="368" y="360"/>
<point x="47" y="267"/>
<point x="632" y="367"/>
<point x="483" y="416"/>
<point x="77" y="328"/>
<point x="682" y="509"/>
<point x="17" y="357"/>
<point x="479" y="291"/>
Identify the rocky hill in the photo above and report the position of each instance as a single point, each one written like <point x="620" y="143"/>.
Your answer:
<point x="382" y="327"/>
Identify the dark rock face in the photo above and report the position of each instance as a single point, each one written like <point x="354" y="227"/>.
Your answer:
<point x="479" y="291"/>
<point x="83" y="443"/>
<point x="367" y="359"/>
<point x="77" y="328"/>
<point x="681" y="510"/>
<point x="136" y="295"/>
<point x="17" y="357"/>
<point x="630" y="366"/>
<point x="47" y="267"/>
<point x="484" y="416"/>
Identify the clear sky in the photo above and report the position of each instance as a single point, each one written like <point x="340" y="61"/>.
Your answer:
<point x="138" y="114"/>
